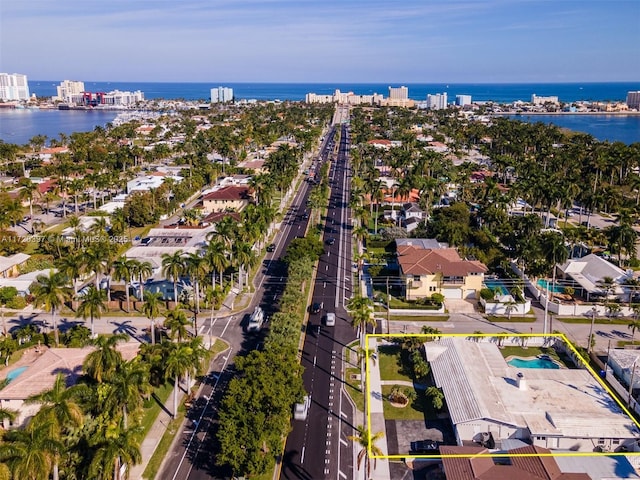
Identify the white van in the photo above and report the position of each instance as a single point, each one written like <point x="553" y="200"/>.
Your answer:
<point x="330" y="320"/>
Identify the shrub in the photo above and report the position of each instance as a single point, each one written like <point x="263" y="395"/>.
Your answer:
<point x="487" y="294"/>
<point x="437" y="298"/>
<point x="7" y="293"/>
<point x="17" y="303"/>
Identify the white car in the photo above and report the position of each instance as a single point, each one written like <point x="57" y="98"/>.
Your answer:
<point x="330" y="320"/>
<point x="301" y="410"/>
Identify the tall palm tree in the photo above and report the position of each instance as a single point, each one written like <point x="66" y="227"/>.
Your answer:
<point x="360" y="309"/>
<point x="51" y="292"/>
<point x="176" y="321"/>
<point x="216" y="257"/>
<point x="173" y="266"/>
<point x="60" y="411"/>
<point x="103" y="362"/>
<point x="244" y="257"/>
<point x="366" y="441"/>
<point x="196" y="267"/>
<point x="30" y="453"/>
<point x="72" y="266"/>
<point x="92" y="305"/>
<point x="179" y="363"/>
<point x="123" y="270"/>
<point x="113" y="451"/>
<point x="141" y="271"/>
<point x="126" y="389"/>
<point x="151" y="310"/>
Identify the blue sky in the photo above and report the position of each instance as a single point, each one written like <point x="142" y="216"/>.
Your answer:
<point x="408" y="41"/>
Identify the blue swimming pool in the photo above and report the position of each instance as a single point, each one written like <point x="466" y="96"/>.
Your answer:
<point x="534" y="363"/>
<point x="15" y="373"/>
<point x="553" y="288"/>
<point x="496" y="285"/>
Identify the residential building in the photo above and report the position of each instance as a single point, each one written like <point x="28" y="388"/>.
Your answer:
<point x="68" y="90"/>
<point x="437" y="101"/>
<point x="537" y="100"/>
<point x="23" y="282"/>
<point x="427" y="269"/>
<point x="412" y="215"/>
<point x="633" y="99"/>
<point x="14" y="86"/>
<point x="588" y="274"/>
<point x="150" y="181"/>
<point x="398" y="93"/>
<point x="230" y="198"/>
<point x="463" y="100"/>
<point x="558" y="409"/>
<point x="221" y="95"/>
<point x="9" y="266"/>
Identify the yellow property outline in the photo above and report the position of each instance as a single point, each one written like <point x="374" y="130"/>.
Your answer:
<point x="490" y="455"/>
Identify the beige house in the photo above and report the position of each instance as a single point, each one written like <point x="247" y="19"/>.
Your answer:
<point x="231" y="198"/>
<point x="10" y="266"/>
<point x="438" y="270"/>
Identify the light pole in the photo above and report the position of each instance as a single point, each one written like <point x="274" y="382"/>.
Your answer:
<point x="594" y="312"/>
<point x="633" y="371"/>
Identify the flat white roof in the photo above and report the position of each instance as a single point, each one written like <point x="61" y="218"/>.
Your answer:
<point x="479" y="384"/>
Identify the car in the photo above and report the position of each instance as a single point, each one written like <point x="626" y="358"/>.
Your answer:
<point x="301" y="410"/>
<point x="305" y="216"/>
<point x="316" y="307"/>
<point x="331" y="241"/>
<point x="271" y="247"/>
<point x="425" y="446"/>
<point x="330" y="319"/>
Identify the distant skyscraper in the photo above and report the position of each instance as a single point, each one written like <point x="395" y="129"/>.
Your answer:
<point x="68" y="89"/>
<point x="437" y="101"/>
<point x="537" y="100"/>
<point x="221" y="95"/>
<point x="633" y="99"/>
<point x="463" y="100"/>
<point x="14" y="86"/>
<point x="398" y="93"/>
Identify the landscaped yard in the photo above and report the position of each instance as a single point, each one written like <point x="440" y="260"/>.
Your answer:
<point x="352" y="383"/>
<point x="414" y="411"/>
<point x="390" y="363"/>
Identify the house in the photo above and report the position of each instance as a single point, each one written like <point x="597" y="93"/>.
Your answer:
<point x="559" y="409"/>
<point x="428" y="270"/>
<point x="23" y="282"/>
<point x="588" y="273"/>
<point x="150" y="181"/>
<point x="229" y="198"/>
<point x="9" y="266"/>
<point x="412" y="215"/>
<point x="40" y="374"/>
<point x="49" y="153"/>
<point x="527" y="462"/>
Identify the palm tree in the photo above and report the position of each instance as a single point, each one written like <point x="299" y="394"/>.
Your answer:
<point x="196" y="267"/>
<point x="634" y="324"/>
<point x="151" y="310"/>
<point x="123" y="270"/>
<point x="216" y="257"/>
<point x="172" y="267"/>
<point x="126" y="389"/>
<point x="244" y="256"/>
<point x="141" y="271"/>
<point x="51" y="292"/>
<point x="360" y="309"/>
<point x="178" y="363"/>
<point x="102" y="363"/>
<point x="176" y="321"/>
<point x="59" y="411"/>
<point x="30" y="453"/>
<point x="92" y="305"/>
<point x="72" y="266"/>
<point x="366" y="441"/>
<point x="113" y="451"/>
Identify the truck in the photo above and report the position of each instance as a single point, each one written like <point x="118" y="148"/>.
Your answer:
<point x="256" y="320"/>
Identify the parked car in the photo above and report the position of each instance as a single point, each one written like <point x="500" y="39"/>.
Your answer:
<point x="271" y="247"/>
<point x="316" y="307"/>
<point x="425" y="446"/>
<point x="301" y="410"/>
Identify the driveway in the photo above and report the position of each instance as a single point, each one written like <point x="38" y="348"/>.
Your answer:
<point x="460" y="306"/>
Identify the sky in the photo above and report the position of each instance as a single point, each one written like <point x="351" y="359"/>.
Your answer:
<point x="359" y="41"/>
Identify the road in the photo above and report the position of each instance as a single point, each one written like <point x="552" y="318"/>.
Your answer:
<point x="318" y="447"/>
<point x="192" y="458"/>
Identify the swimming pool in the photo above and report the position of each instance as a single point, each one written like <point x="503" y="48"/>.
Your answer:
<point x="15" y="373"/>
<point x="553" y="288"/>
<point x="496" y="285"/>
<point x="534" y="363"/>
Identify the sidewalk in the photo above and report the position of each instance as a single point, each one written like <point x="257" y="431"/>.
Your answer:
<point x="376" y="414"/>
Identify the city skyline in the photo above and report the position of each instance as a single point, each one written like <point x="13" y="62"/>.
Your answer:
<point x="307" y="41"/>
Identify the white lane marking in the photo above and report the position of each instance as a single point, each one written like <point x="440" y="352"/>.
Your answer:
<point x="302" y="456"/>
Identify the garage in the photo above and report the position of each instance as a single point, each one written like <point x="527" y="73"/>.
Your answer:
<point x="454" y="293"/>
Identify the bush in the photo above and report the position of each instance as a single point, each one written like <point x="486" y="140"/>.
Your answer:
<point x="17" y="303"/>
<point x="437" y="298"/>
<point x="487" y="294"/>
<point x="7" y="294"/>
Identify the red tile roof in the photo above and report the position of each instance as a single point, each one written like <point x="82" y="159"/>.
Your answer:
<point x="417" y="261"/>
<point x="230" y="193"/>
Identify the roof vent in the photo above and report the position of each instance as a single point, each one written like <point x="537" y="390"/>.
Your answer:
<point x="520" y="381"/>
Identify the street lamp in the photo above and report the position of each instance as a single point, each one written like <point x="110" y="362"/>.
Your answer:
<point x="594" y="312"/>
<point x="633" y="371"/>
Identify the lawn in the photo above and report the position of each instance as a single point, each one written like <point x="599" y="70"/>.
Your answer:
<point x="421" y="318"/>
<point x="353" y="388"/>
<point x="414" y="411"/>
<point x="152" y="407"/>
<point x="390" y="363"/>
<point x="513" y="319"/>
<point x="599" y="321"/>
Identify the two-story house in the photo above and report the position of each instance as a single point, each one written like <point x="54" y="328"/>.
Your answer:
<point x="231" y="198"/>
<point x="427" y="268"/>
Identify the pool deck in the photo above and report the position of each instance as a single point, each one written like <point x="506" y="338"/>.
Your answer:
<point x="535" y="357"/>
<point x="29" y="356"/>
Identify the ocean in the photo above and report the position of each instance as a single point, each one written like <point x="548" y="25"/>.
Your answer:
<point x="18" y="126"/>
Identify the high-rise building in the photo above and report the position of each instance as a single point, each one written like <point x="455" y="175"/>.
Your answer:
<point x="633" y="99"/>
<point x="14" y="86"/>
<point x="221" y="95"/>
<point x="67" y="90"/>
<point x="463" y="100"/>
<point x="398" y="93"/>
<point x="537" y="100"/>
<point x="437" y="101"/>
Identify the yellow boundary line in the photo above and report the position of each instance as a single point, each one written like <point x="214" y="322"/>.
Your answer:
<point x="492" y="455"/>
